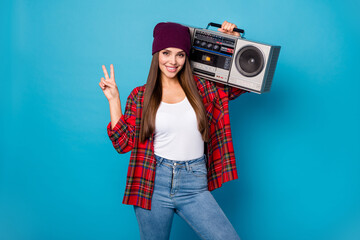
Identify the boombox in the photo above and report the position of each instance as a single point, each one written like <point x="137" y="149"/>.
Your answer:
<point x="232" y="60"/>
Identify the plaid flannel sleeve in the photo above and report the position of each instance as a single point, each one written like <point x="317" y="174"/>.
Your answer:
<point x="123" y="134"/>
<point x="232" y="92"/>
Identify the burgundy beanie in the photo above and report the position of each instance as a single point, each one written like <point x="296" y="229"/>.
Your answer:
<point x="169" y="34"/>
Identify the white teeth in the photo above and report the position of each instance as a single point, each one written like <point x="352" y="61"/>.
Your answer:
<point x="171" y="69"/>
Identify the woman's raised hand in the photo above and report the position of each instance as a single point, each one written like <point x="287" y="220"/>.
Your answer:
<point x="108" y="84"/>
<point x="228" y="28"/>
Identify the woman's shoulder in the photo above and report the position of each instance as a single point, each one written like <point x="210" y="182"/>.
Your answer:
<point x="204" y="86"/>
<point x="137" y="92"/>
<point x="139" y="89"/>
<point x="203" y="82"/>
<point x="200" y="83"/>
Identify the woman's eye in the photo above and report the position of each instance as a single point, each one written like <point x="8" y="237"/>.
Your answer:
<point x="165" y="53"/>
<point x="181" y="55"/>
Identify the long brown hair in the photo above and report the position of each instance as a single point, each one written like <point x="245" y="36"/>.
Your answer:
<point x="153" y="96"/>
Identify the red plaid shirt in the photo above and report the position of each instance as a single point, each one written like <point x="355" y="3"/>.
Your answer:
<point x="141" y="172"/>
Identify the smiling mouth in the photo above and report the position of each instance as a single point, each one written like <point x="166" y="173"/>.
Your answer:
<point x="171" y="69"/>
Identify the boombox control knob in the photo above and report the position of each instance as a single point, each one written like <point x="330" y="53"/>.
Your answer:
<point x="197" y="42"/>
<point x="203" y="44"/>
<point x="209" y="45"/>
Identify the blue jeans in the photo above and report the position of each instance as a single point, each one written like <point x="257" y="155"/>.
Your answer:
<point x="181" y="188"/>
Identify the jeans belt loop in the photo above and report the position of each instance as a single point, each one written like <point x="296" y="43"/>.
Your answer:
<point x="187" y="166"/>
<point x="160" y="161"/>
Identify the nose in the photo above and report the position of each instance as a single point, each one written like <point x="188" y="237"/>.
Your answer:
<point x="172" y="60"/>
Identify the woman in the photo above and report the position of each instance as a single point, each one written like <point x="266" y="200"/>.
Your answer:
<point x="178" y="128"/>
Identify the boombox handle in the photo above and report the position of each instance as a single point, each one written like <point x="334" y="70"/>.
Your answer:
<point x="219" y="26"/>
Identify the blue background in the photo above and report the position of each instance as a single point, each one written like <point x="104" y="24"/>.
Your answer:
<point x="297" y="147"/>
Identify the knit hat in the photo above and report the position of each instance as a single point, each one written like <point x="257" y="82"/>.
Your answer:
<point x="169" y="34"/>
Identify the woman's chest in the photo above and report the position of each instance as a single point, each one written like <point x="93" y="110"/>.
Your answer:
<point x="173" y="95"/>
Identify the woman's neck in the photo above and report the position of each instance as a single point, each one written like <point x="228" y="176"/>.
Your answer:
<point x="169" y="82"/>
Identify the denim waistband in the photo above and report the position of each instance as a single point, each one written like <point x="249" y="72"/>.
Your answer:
<point x="177" y="163"/>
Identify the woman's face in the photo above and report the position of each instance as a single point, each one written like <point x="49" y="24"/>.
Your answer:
<point x="171" y="61"/>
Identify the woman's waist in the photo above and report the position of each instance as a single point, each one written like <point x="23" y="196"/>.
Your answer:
<point x="180" y="163"/>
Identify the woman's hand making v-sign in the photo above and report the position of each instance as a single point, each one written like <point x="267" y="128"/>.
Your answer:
<point x="108" y="84"/>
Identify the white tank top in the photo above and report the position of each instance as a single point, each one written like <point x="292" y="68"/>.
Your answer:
<point x="176" y="133"/>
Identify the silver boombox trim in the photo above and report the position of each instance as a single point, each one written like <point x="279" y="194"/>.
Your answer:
<point x="233" y="60"/>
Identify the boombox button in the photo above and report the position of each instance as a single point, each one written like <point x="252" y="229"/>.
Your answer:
<point x="216" y="47"/>
<point x="211" y="69"/>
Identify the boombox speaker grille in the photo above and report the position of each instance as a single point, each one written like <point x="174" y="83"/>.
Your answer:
<point x="249" y="61"/>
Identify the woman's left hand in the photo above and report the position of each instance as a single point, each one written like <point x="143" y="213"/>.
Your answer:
<point x="228" y="28"/>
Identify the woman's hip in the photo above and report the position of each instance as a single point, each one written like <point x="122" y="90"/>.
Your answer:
<point x="181" y="177"/>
